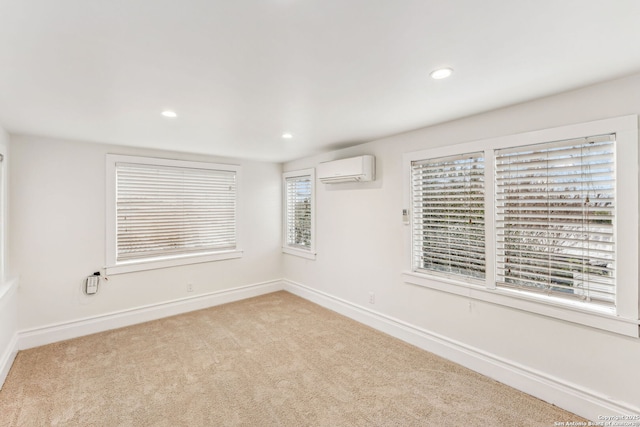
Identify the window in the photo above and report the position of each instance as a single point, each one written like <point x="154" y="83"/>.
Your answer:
<point x="448" y="215"/>
<point x="298" y="189"/>
<point x="555" y="218"/>
<point x="167" y="212"/>
<point x="556" y="235"/>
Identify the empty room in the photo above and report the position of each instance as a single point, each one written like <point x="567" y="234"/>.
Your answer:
<point x="319" y="213"/>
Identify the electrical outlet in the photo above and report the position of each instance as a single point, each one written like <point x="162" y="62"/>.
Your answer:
<point x="372" y="298"/>
<point x="189" y="287"/>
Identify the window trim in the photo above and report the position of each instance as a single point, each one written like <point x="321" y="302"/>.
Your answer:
<point x="117" y="267"/>
<point x="4" y="209"/>
<point x="293" y="250"/>
<point x="624" y="318"/>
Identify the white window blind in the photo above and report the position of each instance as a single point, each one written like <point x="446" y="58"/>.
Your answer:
<point x="555" y="206"/>
<point x="448" y="215"/>
<point x="298" y="211"/>
<point x="171" y="211"/>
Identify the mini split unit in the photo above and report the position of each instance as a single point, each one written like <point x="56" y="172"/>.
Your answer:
<point x="353" y="169"/>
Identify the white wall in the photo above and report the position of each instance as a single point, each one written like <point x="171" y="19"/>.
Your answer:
<point x="8" y="294"/>
<point x="360" y="250"/>
<point x="57" y="222"/>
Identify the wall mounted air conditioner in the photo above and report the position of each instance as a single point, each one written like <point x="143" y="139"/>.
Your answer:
<point x="353" y="169"/>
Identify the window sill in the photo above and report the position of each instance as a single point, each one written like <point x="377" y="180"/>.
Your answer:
<point x="141" y="265"/>
<point x="299" y="252"/>
<point x="570" y="311"/>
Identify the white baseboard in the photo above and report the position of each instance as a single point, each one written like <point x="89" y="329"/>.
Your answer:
<point x="588" y="404"/>
<point x="77" y="328"/>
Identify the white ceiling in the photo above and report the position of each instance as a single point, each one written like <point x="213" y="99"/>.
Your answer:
<point x="334" y="73"/>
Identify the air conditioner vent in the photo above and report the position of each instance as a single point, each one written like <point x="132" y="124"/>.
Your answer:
<point x="353" y="169"/>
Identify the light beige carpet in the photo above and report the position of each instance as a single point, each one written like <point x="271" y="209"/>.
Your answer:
<point x="275" y="360"/>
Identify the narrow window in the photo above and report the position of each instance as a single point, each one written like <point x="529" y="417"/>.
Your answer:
<point x="555" y="206"/>
<point x="448" y="215"/>
<point x="298" y="188"/>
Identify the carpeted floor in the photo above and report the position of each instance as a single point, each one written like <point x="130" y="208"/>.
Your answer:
<point x="274" y="360"/>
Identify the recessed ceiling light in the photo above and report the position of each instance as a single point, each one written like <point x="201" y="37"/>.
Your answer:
<point x="441" y="73"/>
<point x="287" y="135"/>
<point x="168" y="113"/>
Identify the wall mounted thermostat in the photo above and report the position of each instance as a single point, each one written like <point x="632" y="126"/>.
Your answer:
<point x="91" y="285"/>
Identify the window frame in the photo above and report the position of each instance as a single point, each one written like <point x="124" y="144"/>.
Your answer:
<point x="113" y="266"/>
<point x="624" y="317"/>
<point x="295" y="250"/>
